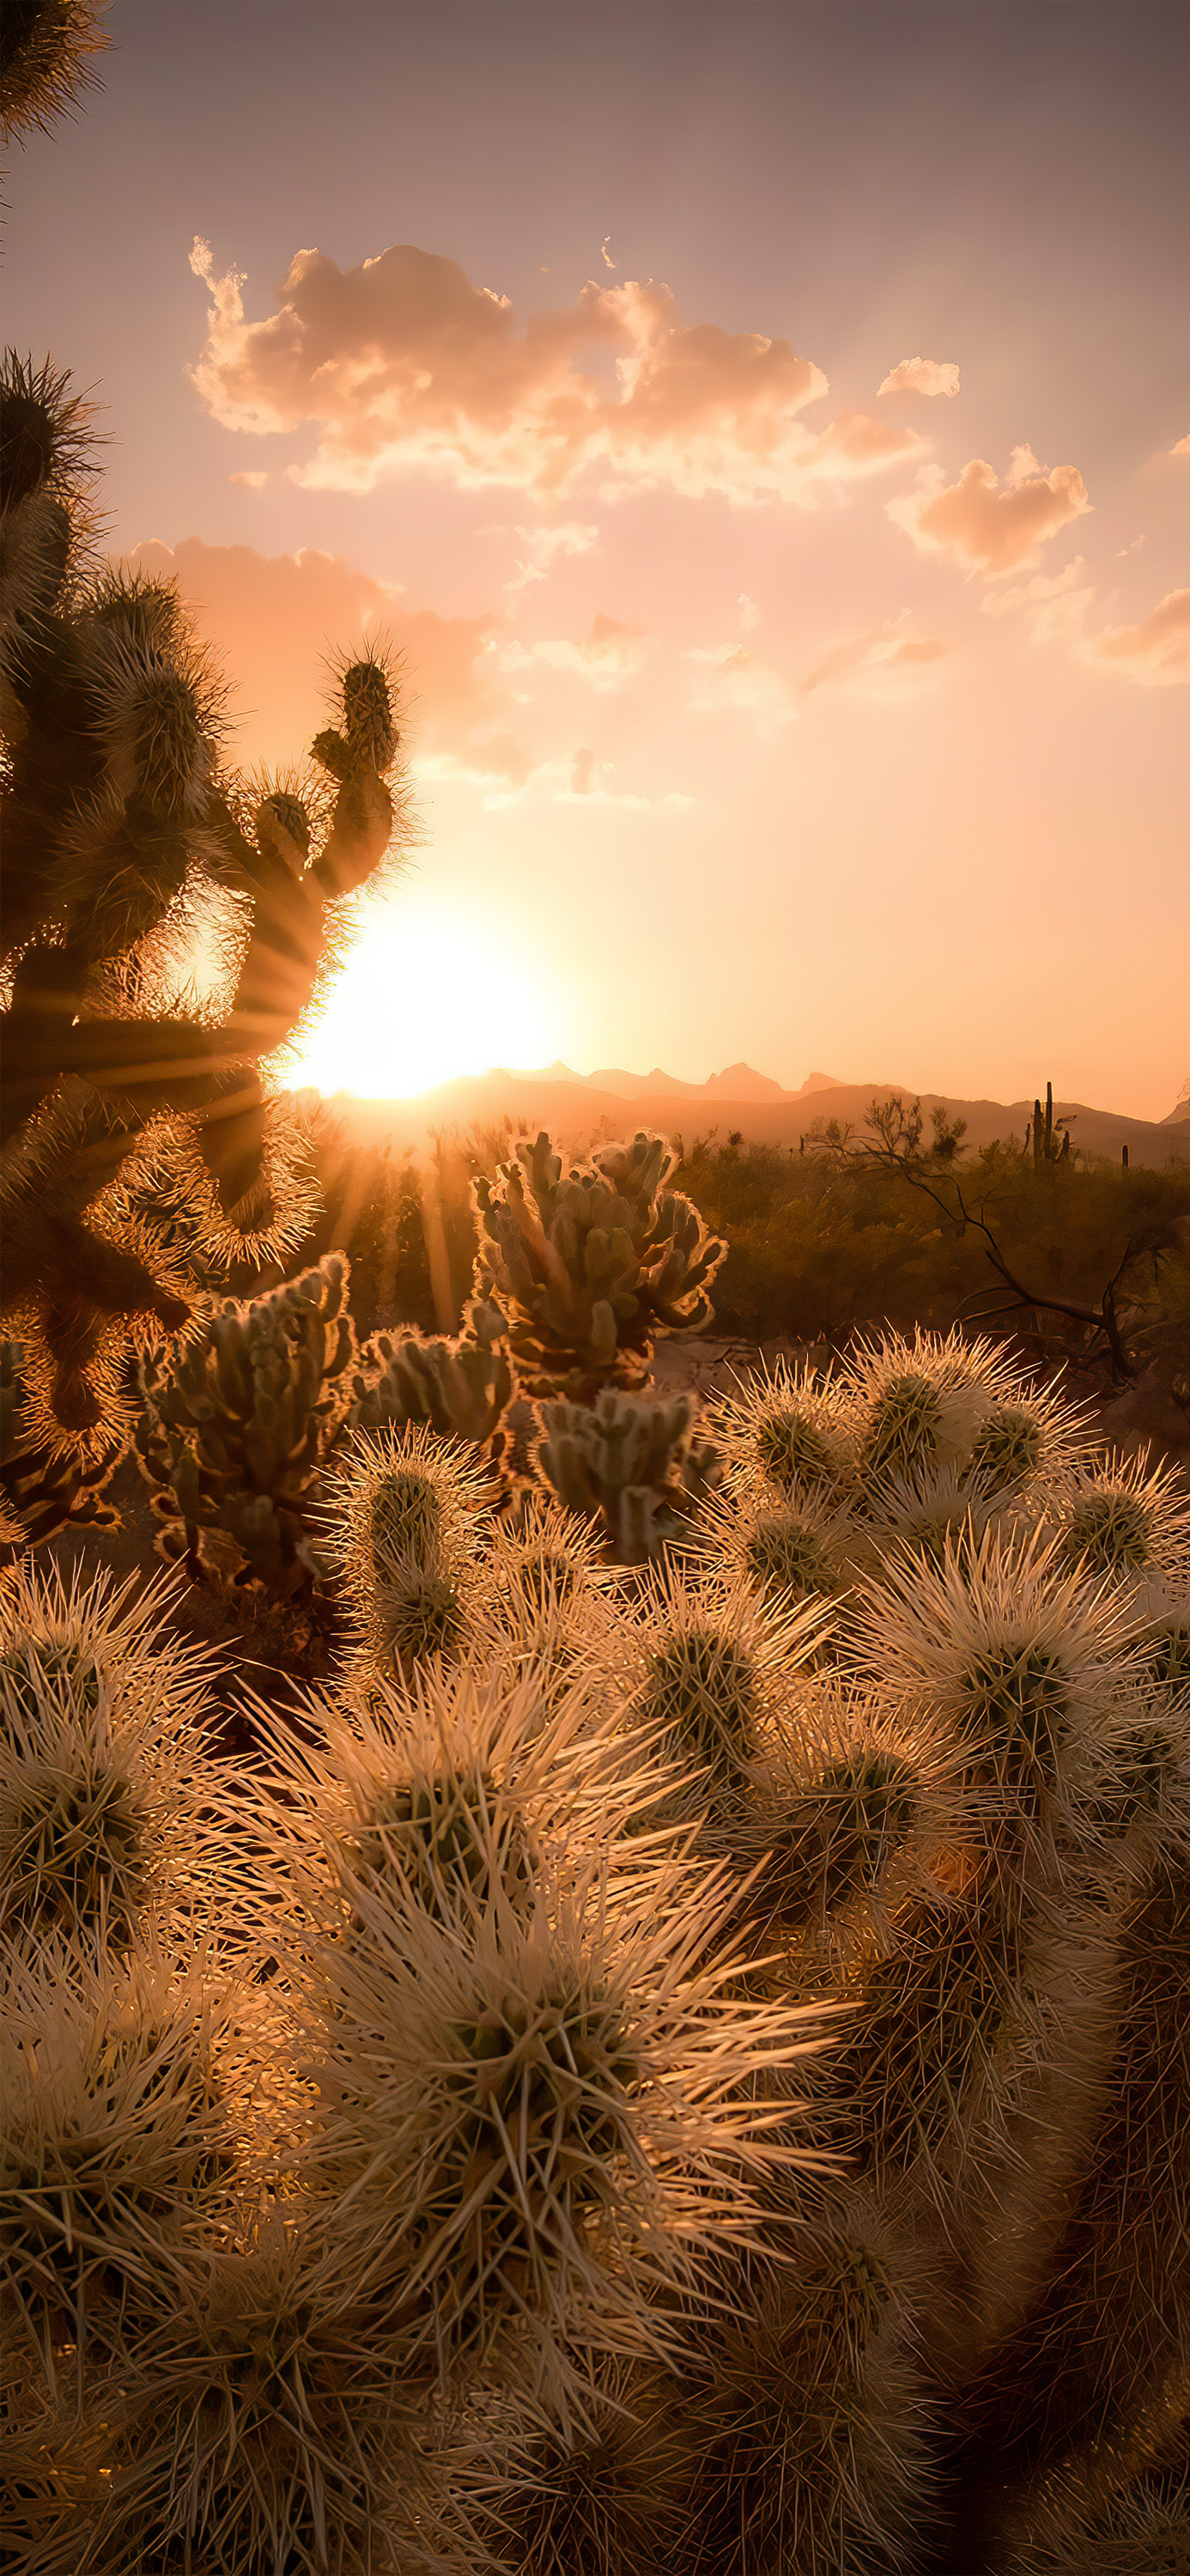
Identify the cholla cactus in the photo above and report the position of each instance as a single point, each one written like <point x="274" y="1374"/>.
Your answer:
<point x="1121" y="1520"/>
<point x="121" y="2101"/>
<point x="631" y="1463"/>
<point x="43" y="1487"/>
<point x="234" y="1435"/>
<point x="106" y="1766"/>
<point x="119" y="830"/>
<point x="265" y="2411"/>
<point x="717" y="1679"/>
<point x="786" y="1432"/>
<point x="531" y="2120"/>
<point x="458" y="1386"/>
<point x="592" y="1266"/>
<point x="402" y="1525"/>
<point x="915" y="1407"/>
<point x="47" y="60"/>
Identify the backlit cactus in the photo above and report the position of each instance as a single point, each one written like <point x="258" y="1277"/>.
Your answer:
<point x="685" y="2068"/>
<point x="121" y="831"/>
<point x="632" y="1464"/>
<point x="591" y="1263"/>
<point x="235" y="1434"/>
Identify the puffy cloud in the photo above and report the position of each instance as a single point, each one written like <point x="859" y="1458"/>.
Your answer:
<point x="921" y="376"/>
<point x="251" y="482"/>
<point x="1181" y="446"/>
<point x="983" y="525"/>
<point x="883" y="663"/>
<point x="272" y="619"/>
<point x="1156" y="650"/>
<point x="607" y="656"/>
<point x="402" y="363"/>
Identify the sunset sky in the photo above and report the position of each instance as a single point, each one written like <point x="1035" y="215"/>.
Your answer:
<point x="764" y="432"/>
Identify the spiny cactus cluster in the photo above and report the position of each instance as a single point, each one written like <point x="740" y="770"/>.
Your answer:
<point x="591" y="1264"/>
<point x="234" y="1435"/>
<point x="141" y="1149"/>
<point x="678" y="2070"/>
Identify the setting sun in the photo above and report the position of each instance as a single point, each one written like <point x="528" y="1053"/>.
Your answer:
<point x="423" y="996"/>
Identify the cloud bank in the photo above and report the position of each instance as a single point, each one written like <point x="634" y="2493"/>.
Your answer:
<point x="402" y="364"/>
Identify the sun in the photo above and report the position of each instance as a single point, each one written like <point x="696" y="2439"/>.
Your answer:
<point x="423" y="995"/>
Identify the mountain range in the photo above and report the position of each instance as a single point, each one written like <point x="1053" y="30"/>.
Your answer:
<point x="578" y="1108"/>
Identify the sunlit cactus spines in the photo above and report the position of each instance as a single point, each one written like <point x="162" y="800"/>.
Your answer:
<point x="717" y="1672"/>
<point x="106" y="1767"/>
<point x="590" y="1264"/>
<point x="401" y="1519"/>
<point x="634" y="1465"/>
<point x="264" y="2411"/>
<point x="235" y="1434"/>
<point x="457" y="1385"/>
<point x="816" y="2392"/>
<point x="608" y="2498"/>
<point x="1023" y="1663"/>
<point x="535" y="2119"/>
<point x="49" y="52"/>
<point x="44" y="1488"/>
<point x="1124" y="1520"/>
<point x="786" y="1430"/>
<point x="122" y="2098"/>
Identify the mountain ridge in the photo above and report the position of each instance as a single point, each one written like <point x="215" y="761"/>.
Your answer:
<point x="577" y="1114"/>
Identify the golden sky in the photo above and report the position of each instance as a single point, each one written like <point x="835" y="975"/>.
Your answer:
<point x="764" y="434"/>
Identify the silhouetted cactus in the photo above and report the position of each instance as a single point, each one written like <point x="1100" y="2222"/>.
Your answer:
<point x="120" y="828"/>
<point x="458" y="1386"/>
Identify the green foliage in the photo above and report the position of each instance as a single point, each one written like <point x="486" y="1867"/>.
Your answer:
<point x="824" y="1242"/>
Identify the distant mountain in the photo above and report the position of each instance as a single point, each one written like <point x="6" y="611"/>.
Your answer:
<point x="738" y="1082"/>
<point x="578" y="1110"/>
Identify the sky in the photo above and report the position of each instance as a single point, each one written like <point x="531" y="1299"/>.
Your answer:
<point x="762" y="434"/>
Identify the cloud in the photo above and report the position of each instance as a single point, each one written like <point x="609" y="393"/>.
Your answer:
<point x="544" y="545"/>
<point x="251" y="482"/>
<point x="1057" y="602"/>
<point x="738" y="681"/>
<point x="985" y="526"/>
<point x="1157" y="650"/>
<point x="273" y="619"/>
<point x="882" y="663"/>
<point x="1181" y="446"/>
<point x="402" y="364"/>
<point x="607" y="656"/>
<point x="921" y="376"/>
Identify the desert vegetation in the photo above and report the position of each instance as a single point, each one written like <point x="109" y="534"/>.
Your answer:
<point x="590" y="1982"/>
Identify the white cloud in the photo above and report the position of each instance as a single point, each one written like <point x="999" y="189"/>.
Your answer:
<point x="1156" y="650"/>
